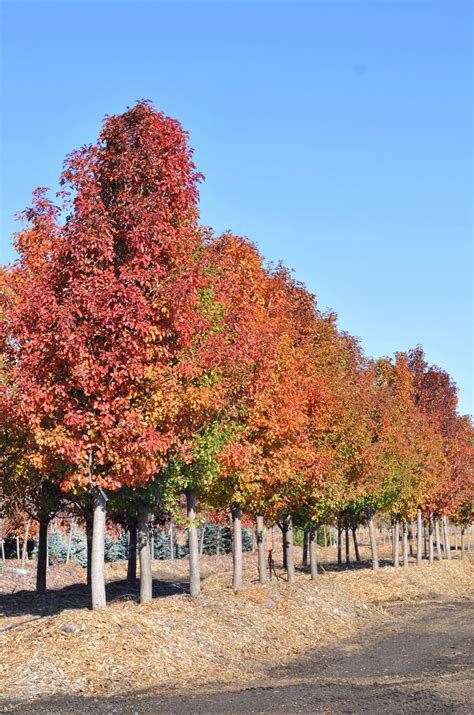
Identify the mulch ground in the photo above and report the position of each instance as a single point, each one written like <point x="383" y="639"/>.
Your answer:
<point x="55" y="645"/>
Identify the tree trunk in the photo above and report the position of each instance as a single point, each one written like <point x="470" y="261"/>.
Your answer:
<point x="42" y="556"/>
<point x="346" y="530"/>
<point x="98" y="548"/>
<point x="24" y="551"/>
<point x="1" y="540"/>
<point x="284" y="529"/>
<point x="289" y="550"/>
<point x="132" y="550"/>
<point x="201" y="541"/>
<point x="419" y="537"/>
<point x="171" y="541"/>
<point x="17" y="539"/>
<point x="437" y="537"/>
<point x="69" y="541"/>
<point x="146" y="579"/>
<point x="313" y="553"/>
<point x="89" y="532"/>
<point x="373" y="544"/>
<point x="194" y="576"/>
<point x="430" y="540"/>
<point x="304" y="561"/>
<point x="218" y="541"/>
<point x="396" y="543"/>
<point x="405" y="543"/>
<point x="151" y="543"/>
<point x="356" y="545"/>
<point x="262" y="571"/>
<point x="339" y="544"/>
<point x="463" y="536"/>
<point x="456" y="541"/>
<point x="410" y="538"/>
<point x="447" y="539"/>
<point x="236" y="548"/>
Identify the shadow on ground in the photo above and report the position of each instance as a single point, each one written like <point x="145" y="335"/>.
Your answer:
<point x="53" y="601"/>
<point x="325" y="698"/>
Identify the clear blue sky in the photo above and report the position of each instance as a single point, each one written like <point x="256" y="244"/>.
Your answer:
<point x="336" y="135"/>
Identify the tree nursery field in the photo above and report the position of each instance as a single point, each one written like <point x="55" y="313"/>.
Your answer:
<point x="196" y="459"/>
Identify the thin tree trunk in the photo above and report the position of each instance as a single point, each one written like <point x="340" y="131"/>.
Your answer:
<point x="419" y="537"/>
<point x="289" y="550"/>
<point x="283" y="543"/>
<point x="2" y="546"/>
<point x="132" y="550"/>
<point x="218" y="541"/>
<point x="262" y="571"/>
<point x="313" y="553"/>
<point x="373" y="544"/>
<point x="425" y="540"/>
<point x="396" y="543"/>
<point x="405" y="543"/>
<point x="447" y="539"/>
<point x="201" y="540"/>
<point x="410" y="538"/>
<point x="69" y="541"/>
<point x="42" y="556"/>
<point x="146" y="579"/>
<point x="304" y="560"/>
<point x="437" y="537"/>
<point x="24" y="551"/>
<point x="430" y="539"/>
<point x="443" y="536"/>
<point x="339" y="544"/>
<point x="194" y="575"/>
<point x="151" y="540"/>
<point x="463" y="536"/>
<point x="171" y="541"/>
<point x="236" y="548"/>
<point x="356" y="545"/>
<point x="89" y="532"/>
<point x="17" y="540"/>
<point x="98" y="548"/>
<point x="346" y="530"/>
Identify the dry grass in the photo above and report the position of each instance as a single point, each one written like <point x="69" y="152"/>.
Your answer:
<point x="220" y="637"/>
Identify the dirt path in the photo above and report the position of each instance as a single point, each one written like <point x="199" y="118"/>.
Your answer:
<point x="419" y="661"/>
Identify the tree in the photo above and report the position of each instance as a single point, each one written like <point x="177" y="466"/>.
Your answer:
<point x="95" y="332"/>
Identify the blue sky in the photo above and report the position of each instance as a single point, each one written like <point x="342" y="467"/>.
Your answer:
<point x="336" y="135"/>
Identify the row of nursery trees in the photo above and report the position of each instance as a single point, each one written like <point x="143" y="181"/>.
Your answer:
<point x="146" y="360"/>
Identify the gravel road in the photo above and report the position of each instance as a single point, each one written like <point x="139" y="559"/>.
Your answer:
<point x="419" y="661"/>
